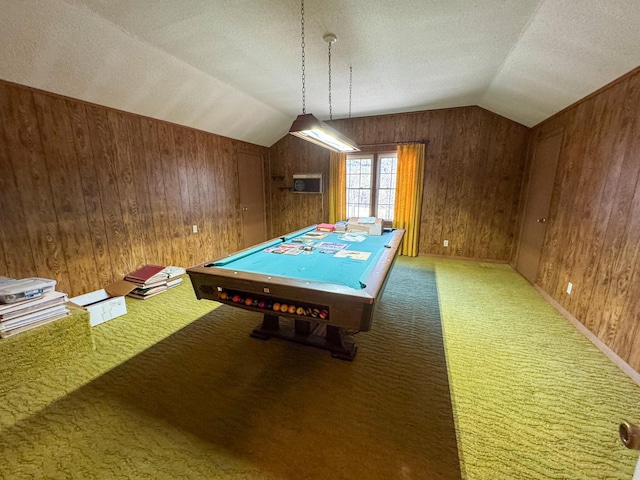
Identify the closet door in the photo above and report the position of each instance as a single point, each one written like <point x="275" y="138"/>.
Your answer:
<point x="543" y="173"/>
<point x="252" y="203"/>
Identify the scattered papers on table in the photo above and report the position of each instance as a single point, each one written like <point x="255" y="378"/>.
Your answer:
<point x="352" y="254"/>
<point x="314" y="236"/>
<point x="333" y="246"/>
<point x="354" y="237"/>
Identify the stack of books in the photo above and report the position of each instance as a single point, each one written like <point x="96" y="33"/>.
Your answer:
<point x="174" y="275"/>
<point x="341" y="226"/>
<point x="149" y="281"/>
<point x="152" y="280"/>
<point x="29" y="303"/>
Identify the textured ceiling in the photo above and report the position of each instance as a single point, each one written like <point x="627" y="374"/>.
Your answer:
<point x="233" y="67"/>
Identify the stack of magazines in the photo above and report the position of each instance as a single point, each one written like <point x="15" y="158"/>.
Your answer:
<point x="174" y="275"/>
<point x="28" y="303"/>
<point x="151" y="280"/>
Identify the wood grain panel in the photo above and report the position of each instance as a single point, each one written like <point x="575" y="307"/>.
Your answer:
<point x="601" y="178"/>
<point x="123" y="128"/>
<point x="196" y="189"/>
<point x="593" y="236"/>
<point x="205" y="184"/>
<point x="90" y="193"/>
<point x="13" y="231"/>
<point x="292" y="211"/>
<point x="152" y="172"/>
<point x="556" y="245"/>
<point x="433" y="182"/>
<point x="507" y="197"/>
<point x="68" y="200"/>
<point x="176" y="223"/>
<point x="140" y="183"/>
<point x="475" y="211"/>
<point x="228" y="188"/>
<point x="491" y="197"/>
<point x="182" y="150"/>
<point x="118" y="239"/>
<point x="35" y="192"/>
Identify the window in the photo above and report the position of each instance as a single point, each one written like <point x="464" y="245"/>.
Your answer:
<point x="371" y="185"/>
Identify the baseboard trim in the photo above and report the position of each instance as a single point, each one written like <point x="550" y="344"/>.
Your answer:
<point x="624" y="366"/>
<point x="466" y="259"/>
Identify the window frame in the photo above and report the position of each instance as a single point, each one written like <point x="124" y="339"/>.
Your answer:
<point x="376" y="159"/>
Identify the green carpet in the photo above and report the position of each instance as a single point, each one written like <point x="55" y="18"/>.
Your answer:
<point x="178" y="389"/>
<point x="208" y="401"/>
<point x="534" y="399"/>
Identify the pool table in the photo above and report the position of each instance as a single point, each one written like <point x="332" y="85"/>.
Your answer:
<point x="323" y="285"/>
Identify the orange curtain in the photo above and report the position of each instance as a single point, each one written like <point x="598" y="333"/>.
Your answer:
<point x="409" y="184"/>
<point x="337" y="187"/>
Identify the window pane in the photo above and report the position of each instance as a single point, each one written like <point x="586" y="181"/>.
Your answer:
<point x="353" y="167"/>
<point x="365" y="181"/>
<point x="385" y="196"/>
<point x="383" y="211"/>
<point x="385" y="181"/>
<point x="359" y="183"/>
<point x="386" y="165"/>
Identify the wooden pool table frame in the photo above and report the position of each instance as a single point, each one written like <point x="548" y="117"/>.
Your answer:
<point x="349" y="310"/>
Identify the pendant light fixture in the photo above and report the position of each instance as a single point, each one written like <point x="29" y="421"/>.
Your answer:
<point x="307" y="126"/>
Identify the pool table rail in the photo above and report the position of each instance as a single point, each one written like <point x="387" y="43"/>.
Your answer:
<point x="347" y="309"/>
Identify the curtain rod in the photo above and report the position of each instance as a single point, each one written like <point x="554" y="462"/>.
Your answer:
<point x="407" y="142"/>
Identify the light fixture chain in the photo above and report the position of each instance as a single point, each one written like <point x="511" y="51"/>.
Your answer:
<point x="304" y="109"/>
<point x="330" y="112"/>
<point x="350" y="84"/>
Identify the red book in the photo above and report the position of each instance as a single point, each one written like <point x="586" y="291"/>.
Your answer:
<point x="325" y="227"/>
<point x="146" y="274"/>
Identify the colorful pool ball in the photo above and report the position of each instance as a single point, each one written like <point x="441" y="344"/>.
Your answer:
<point x="261" y="304"/>
<point x="254" y="303"/>
<point x="324" y="313"/>
<point x="292" y="309"/>
<point x="276" y="307"/>
<point x="300" y="311"/>
<point x="284" y="307"/>
<point x="248" y="301"/>
<point x="236" y="299"/>
<point x="223" y="295"/>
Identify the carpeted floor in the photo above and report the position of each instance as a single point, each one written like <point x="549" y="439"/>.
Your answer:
<point x="208" y="401"/>
<point x="534" y="398"/>
<point x="178" y="389"/>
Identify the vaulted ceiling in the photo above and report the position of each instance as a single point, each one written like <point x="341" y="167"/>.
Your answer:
<point x="233" y="67"/>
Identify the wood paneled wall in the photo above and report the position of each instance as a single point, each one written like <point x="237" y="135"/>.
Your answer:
<point x="474" y="167"/>
<point x="291" y="211"/>
<point x="88" y="193"/>
<point x="593" y="234"/>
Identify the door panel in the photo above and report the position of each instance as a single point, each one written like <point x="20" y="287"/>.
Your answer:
<point x="543" y="172"/>
<point x="252" y="204"/>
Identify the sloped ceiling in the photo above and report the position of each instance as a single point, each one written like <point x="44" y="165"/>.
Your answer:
<point x="233" y="67"/>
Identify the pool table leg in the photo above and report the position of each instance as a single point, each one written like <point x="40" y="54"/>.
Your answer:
<point x="270" y="325"/>
<point x="341" y="348"/>
<point x="327" y="337"/>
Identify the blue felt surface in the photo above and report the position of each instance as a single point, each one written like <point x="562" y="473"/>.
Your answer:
<point x="316" y="266"/>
